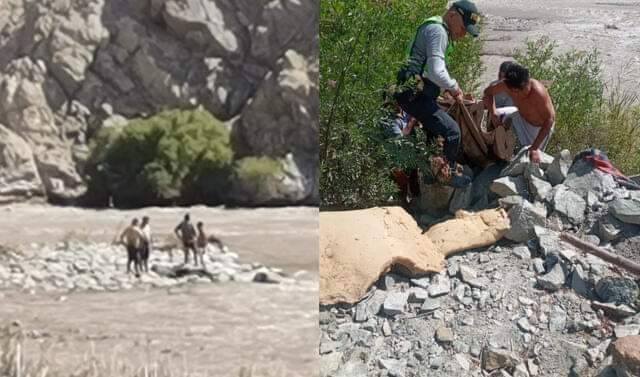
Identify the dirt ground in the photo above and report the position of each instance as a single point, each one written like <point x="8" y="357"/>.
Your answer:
<point x="610" y="26"/>
<point x="196" y="329"/>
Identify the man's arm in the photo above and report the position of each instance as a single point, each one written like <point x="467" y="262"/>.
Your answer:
<point x="436" y="41"/>
<point x="489" y="102"/>
<point x="549" y="114"/>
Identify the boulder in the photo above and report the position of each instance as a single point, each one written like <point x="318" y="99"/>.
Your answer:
<point x="19" y="177"/>
<point x="507" y="186"/>
<point x="461" y="199"/>
<point x="552" y="280"/>
<point x="539" y="188"/>
<point x="618" y="290"/>
<point x="559" y="168"/>
<point x="626" y="210"/>
<point x="353" y="255"/>
<point x="583" y="177"/>
<point x="523" y="218"/>
<point x="569" y="204"/>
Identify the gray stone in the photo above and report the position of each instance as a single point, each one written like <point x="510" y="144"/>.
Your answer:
<point x="394" y="303"/>
<point x="430" y="305"/>
<point x="518" y="164"/>
<point x="617" y="290"/>
<point x="521" y="252"/>
<point x="583" y="177"/>
<point x="435" y="362"/>
<point x="444" y="335"/>
<point x="462" y="361"/>
<point x="375" y="302"/>
<point x="613" y="310"/>
<point x="484" y="258"/>
<point x="553" y="280"/>
<point x="626" y="330"/>
<point x="533" y="367"/>
<point x="559" y="168"/>
<point x="467" y="273"/>
<point x="353" y="368"/>
<point x="509" y="201"/>
<point x="417" y="295"/>
<point x="557" y="320"/>
<point x="461" y="199"/>
<point x="360" y="312"/>
<point x="507" y="186"/>
<point x="523" y="218"/>
<point x="569" y="204"/>
<point x="579" y="281"/>
<point x="329" y="346"/>
<point x="493" y="359"/>
<point x="520" y="371"/>
<point x="421" y="282"/>
<point x="538" y="265"/>
<point x="524" y="325"/>
<point x="539" y="188"/>
<point x="610" y="228"/>
<point x="394" y="367"/>
<point x="439" y="289"/>
<point x="386" y="328"/>
<point x="626" y="210"/>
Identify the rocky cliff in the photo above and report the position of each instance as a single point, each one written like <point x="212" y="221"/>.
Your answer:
<point x="70" y="67"/>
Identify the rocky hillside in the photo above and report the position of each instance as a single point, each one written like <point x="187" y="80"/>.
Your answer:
<point x="70" y="67"/>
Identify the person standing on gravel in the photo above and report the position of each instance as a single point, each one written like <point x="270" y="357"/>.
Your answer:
<point x="133" y="239"/>
<point x="187" y="233"/>
<point x="426" y="73"/>
<point x="145" y="227"/>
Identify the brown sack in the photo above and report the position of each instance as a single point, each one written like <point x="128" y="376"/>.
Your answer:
<point x="357" y="247"/>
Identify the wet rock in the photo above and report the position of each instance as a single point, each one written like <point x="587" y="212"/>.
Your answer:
<point x="569" y="204"/>
<point x="553" y="280"/>
<point x="626" y="210"/>
<point x="507" y="186"/>
<point x="493" y="359"/>
<point x="523" y="217"/>
<point x="559" y="168"/>
<point x="617" y="290"/>
<point x="626" y="356"/>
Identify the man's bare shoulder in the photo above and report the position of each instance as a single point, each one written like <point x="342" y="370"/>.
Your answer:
<point x="539" y="88"/>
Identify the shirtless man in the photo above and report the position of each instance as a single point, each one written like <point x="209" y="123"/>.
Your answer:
<point x="532" y="117"/>
<point x="145" y="228"/>
<point x="133" y="239"/>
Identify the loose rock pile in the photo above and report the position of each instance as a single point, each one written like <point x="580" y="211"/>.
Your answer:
<point x="531" y="305"/>
<point x="102" y="267"/>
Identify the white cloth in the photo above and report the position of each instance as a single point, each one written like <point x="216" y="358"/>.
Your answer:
<point x="525" y="132"/>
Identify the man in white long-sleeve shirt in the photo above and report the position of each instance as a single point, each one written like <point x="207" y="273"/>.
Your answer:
<point x="427" y="64"/>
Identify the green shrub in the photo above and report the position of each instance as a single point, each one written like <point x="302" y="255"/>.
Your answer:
<point x="586" y="114"/>
<point x="175" y="157"/>
<point x="256" y="178"/>
<point x="362" y="46"/>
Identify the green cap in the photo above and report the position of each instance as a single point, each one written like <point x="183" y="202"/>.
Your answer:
<point x="470" y="15"/>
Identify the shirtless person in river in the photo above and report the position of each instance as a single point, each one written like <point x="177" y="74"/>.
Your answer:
<point x="532" y="116"/>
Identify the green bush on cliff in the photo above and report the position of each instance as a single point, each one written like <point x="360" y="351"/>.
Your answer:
<point x="257" y="177"/>
<point x="362" y="45"/>
<point x="174" y="157"/>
